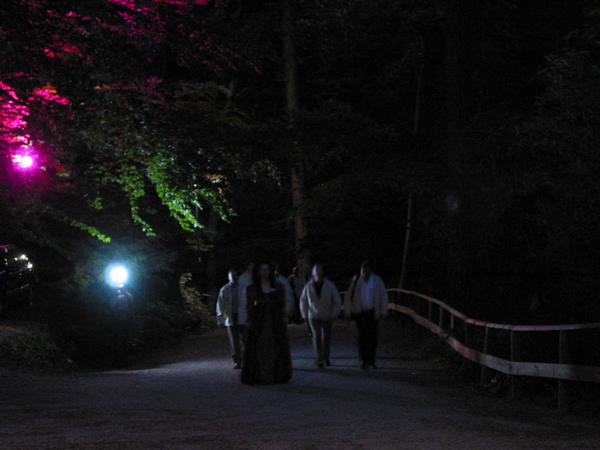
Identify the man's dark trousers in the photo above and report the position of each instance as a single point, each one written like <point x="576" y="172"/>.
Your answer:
<point x="321" y="334"/>
<point x="368" y="335"/>
<point x="236" y="339"/>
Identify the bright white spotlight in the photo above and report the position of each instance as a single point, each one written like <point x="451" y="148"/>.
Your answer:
<point x="117" y="276"/>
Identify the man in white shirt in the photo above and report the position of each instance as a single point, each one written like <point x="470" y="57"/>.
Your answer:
<point x="366" y="302"/>
<point x="231" y="312"/>
<point x="320" y="304"/>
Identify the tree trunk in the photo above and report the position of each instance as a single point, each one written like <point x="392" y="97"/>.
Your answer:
<point x="419" y="68"/>
<point x="212" y="231"/>
<point x="452" y="118"/>
<point x="289" y="60"/>
<point x="294" y="148"/>
<point x="407" y="236"/>
<point x="452" y="75"/>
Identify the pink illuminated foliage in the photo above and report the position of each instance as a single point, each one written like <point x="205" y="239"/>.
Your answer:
<point x="49" y="93"/>
<point x="13" y="116"/>
<point x="88" y="77"/>
<point x="71" y="36"/>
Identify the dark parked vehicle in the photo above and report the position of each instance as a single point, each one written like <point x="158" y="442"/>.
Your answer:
<point x="17" y="277"/>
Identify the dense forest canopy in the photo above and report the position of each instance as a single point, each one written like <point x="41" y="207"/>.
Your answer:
<point x="163" y="128"/>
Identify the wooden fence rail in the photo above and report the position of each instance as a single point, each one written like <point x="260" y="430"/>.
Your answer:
<point x="458" y="331"/>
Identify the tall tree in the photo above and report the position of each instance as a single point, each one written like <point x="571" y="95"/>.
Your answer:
<point x="294" y="146"/>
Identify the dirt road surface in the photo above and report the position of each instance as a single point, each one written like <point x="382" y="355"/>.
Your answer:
<point x="190" y="397"/>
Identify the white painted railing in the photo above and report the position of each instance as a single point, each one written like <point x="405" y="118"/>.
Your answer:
<point x="458" y="331"/>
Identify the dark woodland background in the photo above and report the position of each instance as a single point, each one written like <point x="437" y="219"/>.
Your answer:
<point x="485" y="113"/>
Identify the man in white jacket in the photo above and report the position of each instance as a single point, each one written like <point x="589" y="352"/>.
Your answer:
<point x="231" y="312"/>
<point x="366" y="301"/>
<point x="320" y="304"/>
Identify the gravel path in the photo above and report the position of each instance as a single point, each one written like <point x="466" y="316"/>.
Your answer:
<point x="190" y="397"/>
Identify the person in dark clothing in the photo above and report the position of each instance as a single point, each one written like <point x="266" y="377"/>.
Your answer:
<point x="297" y="281"/>
<point x="122" y="326"/>
<point x="267" y="358"/>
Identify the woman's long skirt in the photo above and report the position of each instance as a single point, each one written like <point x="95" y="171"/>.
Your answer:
<point x="267" y="358"/>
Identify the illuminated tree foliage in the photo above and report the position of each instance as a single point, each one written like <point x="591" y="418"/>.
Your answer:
<point x="121" y="104"/>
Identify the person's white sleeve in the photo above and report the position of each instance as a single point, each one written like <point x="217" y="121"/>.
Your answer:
<point x="304" y="303"/>
<point x="220" y="315"/>
<point x="348" y="300"/>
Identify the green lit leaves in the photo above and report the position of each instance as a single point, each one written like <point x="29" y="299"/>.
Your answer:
<point x="93" y="231"/>
<point x="96" y="203"/>
<point x="183" y="191"/>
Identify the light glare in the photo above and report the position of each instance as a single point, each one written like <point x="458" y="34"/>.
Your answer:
<point x="23" y="161"/>
<point x="118" y="275"/>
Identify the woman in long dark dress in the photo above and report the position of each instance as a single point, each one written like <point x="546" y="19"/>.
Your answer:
<point x="267" y="358"/>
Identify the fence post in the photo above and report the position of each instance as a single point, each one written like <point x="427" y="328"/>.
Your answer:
<point x="414" y="305"/>
<point x="451" y="324"/>
<point x="466" y="363"/>
<point x="485" y="351"/>
<point x="563" y="358"/>
<point x="429" y="311"/>
<point x="514" y="356"/>
<point x="441" y="317"/>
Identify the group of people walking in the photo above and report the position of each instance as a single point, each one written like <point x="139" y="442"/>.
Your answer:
<point x="256" y="307"/>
